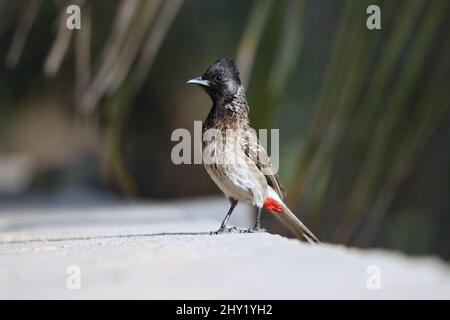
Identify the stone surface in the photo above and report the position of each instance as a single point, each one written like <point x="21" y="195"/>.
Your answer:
<point x="125" y="252"/>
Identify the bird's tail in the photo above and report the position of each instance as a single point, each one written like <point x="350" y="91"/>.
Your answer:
<point x="281" y="211"/>
<point x="300" y="231"/>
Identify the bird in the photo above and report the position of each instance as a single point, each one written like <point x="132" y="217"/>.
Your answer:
<point x="233" y="156"/>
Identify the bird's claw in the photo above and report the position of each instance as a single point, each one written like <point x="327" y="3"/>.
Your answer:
<point x="256" y="229"/>
<point x="224" y="229"/>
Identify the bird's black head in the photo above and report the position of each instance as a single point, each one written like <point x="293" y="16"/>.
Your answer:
<point x="221" y="81"/>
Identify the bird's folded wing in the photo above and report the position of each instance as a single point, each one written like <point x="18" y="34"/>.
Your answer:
<point x="256" y="153"/>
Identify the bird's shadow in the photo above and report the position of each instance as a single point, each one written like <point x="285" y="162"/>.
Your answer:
<point x="141" y="235"/>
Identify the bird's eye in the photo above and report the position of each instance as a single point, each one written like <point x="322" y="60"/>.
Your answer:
<point x="219" y="78"/>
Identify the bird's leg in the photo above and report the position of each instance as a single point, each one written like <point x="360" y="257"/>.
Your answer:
<point x="258" y="220"/>
<point x="257" y="227"/>
<point x="223" y="226"/>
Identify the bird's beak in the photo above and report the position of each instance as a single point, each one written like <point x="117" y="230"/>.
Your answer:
<point x="199" y="81"/>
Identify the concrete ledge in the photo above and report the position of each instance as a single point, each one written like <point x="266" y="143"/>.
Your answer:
<point x="134" y="260"/>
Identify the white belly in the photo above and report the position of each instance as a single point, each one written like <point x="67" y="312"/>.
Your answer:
<point x="239" y="182"/>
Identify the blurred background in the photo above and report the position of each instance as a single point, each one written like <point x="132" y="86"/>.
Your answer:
<point x="86" y="115"/>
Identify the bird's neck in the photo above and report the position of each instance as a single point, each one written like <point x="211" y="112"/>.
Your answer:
<point x="234" y="106"/>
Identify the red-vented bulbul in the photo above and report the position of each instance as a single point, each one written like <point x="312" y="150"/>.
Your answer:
<point x="232" y="155"/>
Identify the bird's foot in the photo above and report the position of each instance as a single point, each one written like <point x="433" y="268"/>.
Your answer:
<point x="256" y="229"/>
<point x="224" y="229"/>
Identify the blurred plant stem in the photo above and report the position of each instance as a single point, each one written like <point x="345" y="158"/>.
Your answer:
<point x="251" y="38"/>
<point x="83" y="52"/>
<point x="115" y="67"/>
<point x="367" y="115"/>
<point x="61" y="44"/>
<point x="307" y="155"/>
<point x="23" y="28"/>
<point x="430" y="114"/>
<point x="115" y="167"/>
<point x="363" y="119"/>
<point x="130" y="81"/>
<point x="386" y="130"/>
<point x="276" y="62"/>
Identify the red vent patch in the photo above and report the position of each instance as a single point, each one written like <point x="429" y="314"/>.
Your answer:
<point x="273" y="206"/>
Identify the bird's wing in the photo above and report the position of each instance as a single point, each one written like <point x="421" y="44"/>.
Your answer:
<point x="258" y="155"/>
